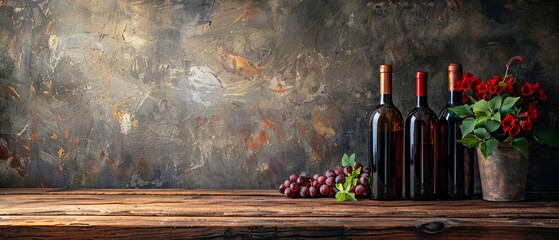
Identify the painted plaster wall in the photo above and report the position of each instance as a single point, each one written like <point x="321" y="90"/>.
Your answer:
<point x="232" y="94"/>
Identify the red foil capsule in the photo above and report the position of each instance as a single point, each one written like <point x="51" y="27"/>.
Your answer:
<point x="421" y="84"/>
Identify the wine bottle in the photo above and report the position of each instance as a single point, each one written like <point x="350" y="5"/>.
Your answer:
<point x="386" y="143"/>
<point x="420" y="143"/>
<point x="455" y="166"/>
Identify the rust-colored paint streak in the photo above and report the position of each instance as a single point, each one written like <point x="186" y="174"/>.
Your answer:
<point x="270" y="123"/>
<point x="242" y="66"/>
<point x="66" y="133"/>
<point x="118" y="110"/>
<point x="254" y="144"/>
<point x="4" y="152"/>
<point x="322" y="126"/>
<point x="34" y="134"/>
<point x="301" y="129"/>
<point x="26" y="147"/>
<point x="279" y="88"/>
<point x="8" y="92"/>
<point x="201" y="120"/>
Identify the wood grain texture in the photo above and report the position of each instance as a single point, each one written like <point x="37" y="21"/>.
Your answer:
<point x="174" y="213"/>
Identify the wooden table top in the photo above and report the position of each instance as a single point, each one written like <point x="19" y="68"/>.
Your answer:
<point x="156" y="213"/>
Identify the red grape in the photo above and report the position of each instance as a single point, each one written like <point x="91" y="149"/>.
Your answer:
<point x="364" y="180"/>
<point x="330" y="173"/>
<point x="286" y="183"/>
<point x="290" y="193"/>
<point x="282" y="189"/>
<point x="321" y="179"/>
<point x="359" y="190"/>
<point x="316" y="184"/>
<point x="330" y="181"/>
<point x="313" y="192"/>
<point x="324" y="190"/>
<point x="357" y="166"/>
<point x="348" y="170"/>
<point x="294" y="186"/>
<point x="339" y="170"/>
<point x="293" y="177"/>
<point x="315" y="177"/>
<point x="340" y="179"/>
<point x="304" y="192"/>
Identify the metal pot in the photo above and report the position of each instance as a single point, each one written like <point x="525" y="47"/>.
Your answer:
<point x="503" y="174"/>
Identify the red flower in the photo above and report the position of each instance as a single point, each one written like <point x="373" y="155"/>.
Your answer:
<point x="482" y="88"/>
<point x="510" y="80"/>
<point x="474" y="81"/>
<point x="515" y="130"/>
<point x="542" y="97"/>
<point x="532" y="114"/>
<point x="508" y="122"/>
<point x="508" y="88"/>
<point x="527" y="89"/>
<point x="494" y="81"/>
<point x="526" y="124"/>
<point x="464" y="84"/>
<point x="536" y="87"/>
<point x="514" y="59"/>
<point x="494" y="89"/>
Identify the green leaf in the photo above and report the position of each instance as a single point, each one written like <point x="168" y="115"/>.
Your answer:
<point x="497" y="117"/>
<point x="341" y="196"/>
<point x="351" y="196"/>
<point x="492" y="125"/>
<point x="462" y="111"/>
<point x="545" y="134"/>
<point x="467" y="126"/>
<point x="347" y="184"/>
<point x="480" y="121"/>
<point x="482" y="108"/>
<point x="470" y="141"/>
<point x="488" y="147"/>
<point x="351" y="160"/>
<point x="495" y="103"/>
<point x="339" y="186"/>
<point x="345" y="196"/>
<point x="482" y="133"/>
<point x="509" y="102"/>
<point x="345" y="160"/>
<point x="522" y="145"/>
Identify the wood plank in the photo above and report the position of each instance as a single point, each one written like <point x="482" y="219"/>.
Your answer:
<point x="176" y="213"/>
<point x="98" y="226"/>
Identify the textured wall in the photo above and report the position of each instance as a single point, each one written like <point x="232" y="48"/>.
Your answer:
<point x="231" y="94"/>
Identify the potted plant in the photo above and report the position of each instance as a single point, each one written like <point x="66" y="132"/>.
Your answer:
<point x="502" y="120"/>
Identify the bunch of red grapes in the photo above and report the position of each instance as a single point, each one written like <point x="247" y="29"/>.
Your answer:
<point x="325" y="185"/>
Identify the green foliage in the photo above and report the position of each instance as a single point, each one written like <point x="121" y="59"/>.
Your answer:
<point x="351" y="180"/>
<point x="545" y="134"/>
<point x="348" y="161"/>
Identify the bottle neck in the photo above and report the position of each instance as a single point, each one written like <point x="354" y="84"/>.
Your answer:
<point x="421" y="101"/>
<point x="421" y="89"/>
<point x="455" y="98"/>
<point x="386" y="88"/>
<point x="386" y="99"/>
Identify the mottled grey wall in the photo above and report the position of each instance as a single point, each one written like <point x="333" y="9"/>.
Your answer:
<point x="231" y="94"/>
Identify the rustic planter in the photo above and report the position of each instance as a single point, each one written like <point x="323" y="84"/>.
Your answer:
<point x="503" y="175"/>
